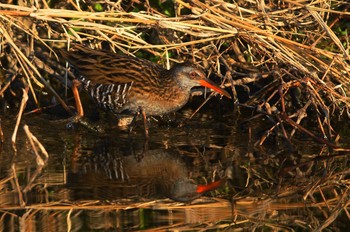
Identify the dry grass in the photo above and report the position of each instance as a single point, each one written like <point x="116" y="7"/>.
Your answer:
<point x="281" y="48"/>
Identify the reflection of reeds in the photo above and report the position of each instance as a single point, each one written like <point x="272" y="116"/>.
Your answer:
<point x="309" y="195"/>
<point x="250" y="212"/>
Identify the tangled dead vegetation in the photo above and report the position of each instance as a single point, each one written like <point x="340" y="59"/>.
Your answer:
<point x="287" y="60"/>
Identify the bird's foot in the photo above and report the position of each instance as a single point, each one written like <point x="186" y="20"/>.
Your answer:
<point x="77" y="121"/>
<point x="142" y="112"/>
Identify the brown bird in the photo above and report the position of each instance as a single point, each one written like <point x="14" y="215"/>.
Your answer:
<point x="124" y="84"/>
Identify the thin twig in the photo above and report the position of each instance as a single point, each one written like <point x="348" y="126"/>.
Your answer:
<point x="19" y="117"/>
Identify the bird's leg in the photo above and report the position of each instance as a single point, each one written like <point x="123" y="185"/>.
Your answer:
<point x="80" y="112"/>
<point x="79" y="118"/>
<point x="133" y="122"/>
<point x="78" y="104"/>
<point x="144" y="116"/>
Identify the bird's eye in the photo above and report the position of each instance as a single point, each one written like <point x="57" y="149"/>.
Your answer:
<point x="193" y="74"/>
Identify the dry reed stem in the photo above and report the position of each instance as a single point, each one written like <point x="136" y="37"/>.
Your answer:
<point x="33" y="142"/>
<point x="19" y="117"/>
<point x="1" y="133"/>
<point x="28" y="68"/>
<point x="163" y="22"/>
<point x="24" y="62"/>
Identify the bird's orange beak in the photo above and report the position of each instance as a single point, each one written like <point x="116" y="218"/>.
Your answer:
<point x="210" y="84"/>
<point x="210" y="186"/>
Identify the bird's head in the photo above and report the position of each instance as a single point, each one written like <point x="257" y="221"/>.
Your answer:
<point x="189" y="76"/>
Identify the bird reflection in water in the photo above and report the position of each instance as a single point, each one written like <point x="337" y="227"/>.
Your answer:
<point x="103" y="175"/>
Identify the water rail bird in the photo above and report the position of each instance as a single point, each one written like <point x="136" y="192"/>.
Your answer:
<point x="125" y="84"/>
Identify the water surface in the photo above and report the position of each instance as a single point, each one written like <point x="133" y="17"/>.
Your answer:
<point x="105" y="181"/>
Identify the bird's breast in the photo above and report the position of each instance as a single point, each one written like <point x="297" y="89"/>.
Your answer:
<point x="158" y="101"/>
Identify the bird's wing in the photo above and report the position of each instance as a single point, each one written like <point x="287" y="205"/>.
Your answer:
<point x="103" y="67"/>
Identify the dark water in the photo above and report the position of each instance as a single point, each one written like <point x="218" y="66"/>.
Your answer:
<point x="100" y="181"/>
